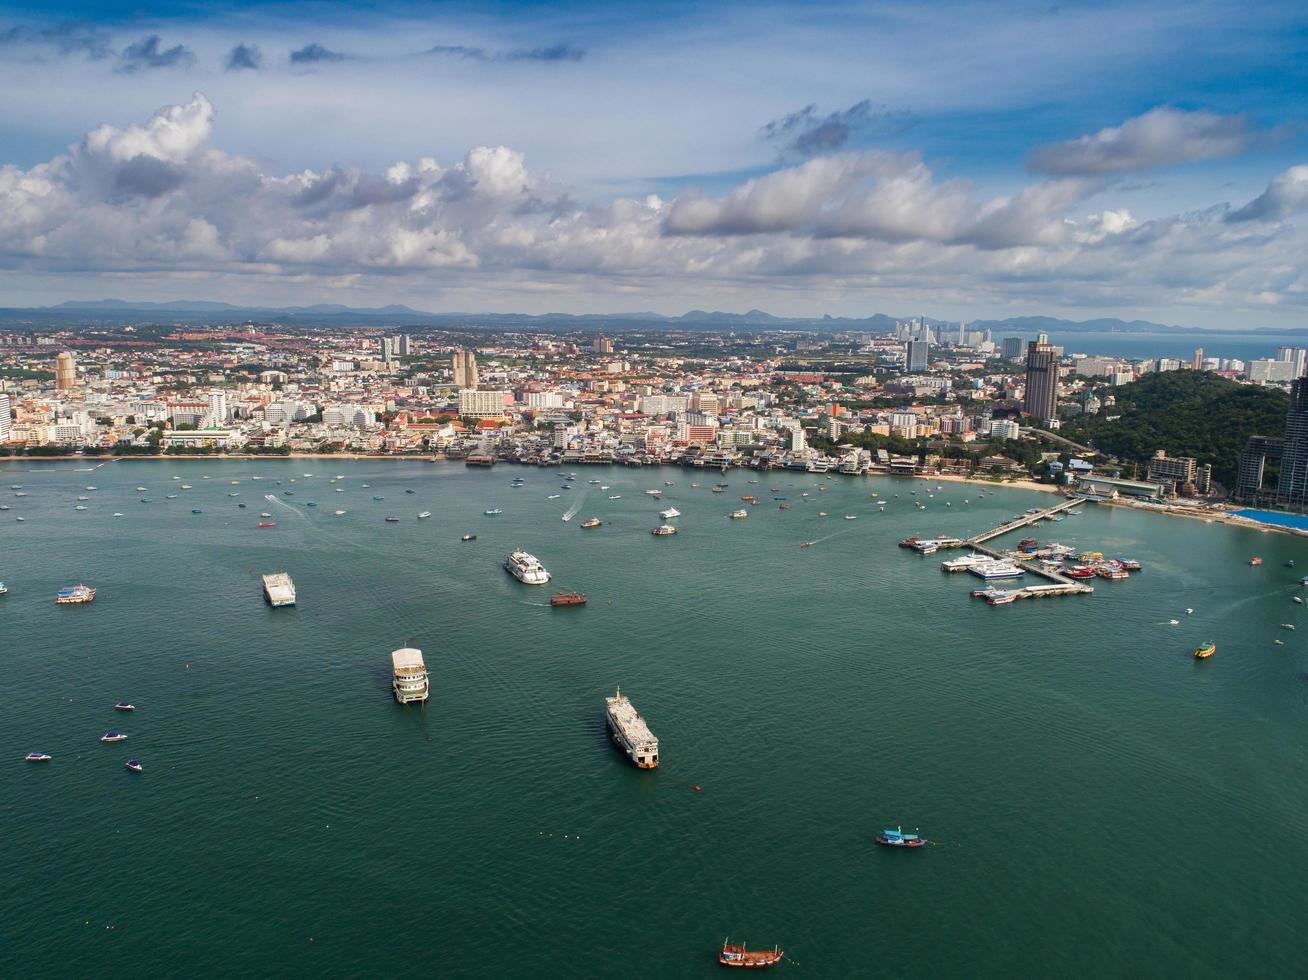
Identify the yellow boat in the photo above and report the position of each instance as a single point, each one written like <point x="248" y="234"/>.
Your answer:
<point x="1205" y="651"/>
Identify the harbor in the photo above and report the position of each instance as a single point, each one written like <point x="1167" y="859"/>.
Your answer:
<point x="509" y="779"/>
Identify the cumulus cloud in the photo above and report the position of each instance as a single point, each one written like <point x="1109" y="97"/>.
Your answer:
<point x="313" y="53"/>
<point x="149" y="52"/>
<point x="157" y="198"/>
<point x="552" y="52"/>
<point x="61" y="39"/>
<point x="808" y="133"/>
<point x="1286" y="193"/>
<point x="1159" y="138"/>
<point x="244" y="57"/>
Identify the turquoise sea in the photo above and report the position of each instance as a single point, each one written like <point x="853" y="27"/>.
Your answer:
<point x="1100" y="804"/>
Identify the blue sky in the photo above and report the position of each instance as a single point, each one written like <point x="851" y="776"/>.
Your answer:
<point x="969" y="159"/>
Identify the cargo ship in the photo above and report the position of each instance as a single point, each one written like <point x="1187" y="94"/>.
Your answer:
<point x="278" y="589"/>
<point x="74" y="595"/>
<point x="526" y="568"/>
<point x="630" y="732"/>
<point x="408" y="675"/>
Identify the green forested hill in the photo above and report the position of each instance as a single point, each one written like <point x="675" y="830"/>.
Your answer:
<point x="1187" y="413"/>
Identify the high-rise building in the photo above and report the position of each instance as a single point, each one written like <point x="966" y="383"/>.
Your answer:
<point x="1296" y="357"/>
<point x="218" y="407"/>
<point x="603" y="345"/>
<point x="1292" y="487"/>
<point x="1012" y="348"/>
<point x="1041" y="399"/>
<point x="1253" y="461"/>
<point x="1180" y="474"/>
<point x="4" y="418"/>
<point x="1197" y="362"/>
<point x="481" y="404"/>
<point x="402" y="346"/>
<point x="915" y="355"/>
<point x="65" y="371"/>
<point x="465" y="369"/>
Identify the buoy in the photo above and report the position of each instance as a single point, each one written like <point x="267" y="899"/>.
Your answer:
<point x="696" y="789"/>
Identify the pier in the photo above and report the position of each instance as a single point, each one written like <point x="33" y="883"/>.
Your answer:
<point x="1025" y="521"/>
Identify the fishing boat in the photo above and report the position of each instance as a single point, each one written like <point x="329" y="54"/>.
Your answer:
<point x="736" y="955"/>
<point x="424" y="515"/>
<point x="37" y="757"/>
<point x="1255" y="561"/>
<point x="468" y="537"/>
<point x="568" y="599"/>
<point x="897" y="838"/>
<point x="663" y="530"/>
<point x="113" y="737"/>
<point x="592" y="522"/>
<point x="135" y="765"/>
<point x="124" y="706"/>
<point x="73" y="595"/>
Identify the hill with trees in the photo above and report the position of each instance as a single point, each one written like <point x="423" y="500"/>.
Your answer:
<point x="1186" y="413"/>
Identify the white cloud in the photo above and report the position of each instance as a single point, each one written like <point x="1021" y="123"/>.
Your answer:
<point x="1161" y="137"/>
<point x="157" y="202"/>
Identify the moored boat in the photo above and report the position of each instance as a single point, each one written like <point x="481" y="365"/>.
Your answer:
<point x="630" y="733"/>
<point x="663" y="530"/>
<point x="135" y="765"/>
<point x="37" y="757"/>
<point x="737" y="515"/>
<point x="736" y="955"/>
<point x="124" y="706"/>
<point x="113" y="737"/>
<point x="409" y="675"/>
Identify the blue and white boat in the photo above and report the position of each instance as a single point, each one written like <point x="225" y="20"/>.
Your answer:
<point x="135" y="765"/>
<point x="37" y="757"/>
<point x="895" y="837"/>
<point x="113" y="737"/>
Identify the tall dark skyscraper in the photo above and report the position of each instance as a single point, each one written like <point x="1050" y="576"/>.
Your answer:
<point x="1012" y="348"/>
<point x="915" y="355"/>
<point x="1292" y="487"/>
<point x="1041" y="380"/>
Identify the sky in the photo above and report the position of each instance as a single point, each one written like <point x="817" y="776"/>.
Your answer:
<point x="963" y="160"/>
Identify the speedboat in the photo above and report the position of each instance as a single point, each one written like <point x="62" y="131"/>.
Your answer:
<point x="616" y="496"/>
<point x="79" y="507"/>
<point x="88" y="498"/>
<point x="554" y="496"/>
<point x="134" y="765"/>
<point x="37" y="757"/>
<point x="425" y="513"/>
<point x="603" y="487"/>
<point x="493" y="511"/>
<point x="267" y="523"/>
<point x="1287" y="626"/>
<point x="391" y="520"/>
<point x="897" y="838"/>
<point x="265" y="515"/>
<point x="124" y="706"/>
<point x="378" y="497"/>
<point x="468" y="537"/>
<point x="195" y="510"/>
<point x="408" y="491"/>
<point x="113" y="737"/>
<point x="340" y="513"/>
<point x="851" y="517"/>
<point x="141" y="489"/>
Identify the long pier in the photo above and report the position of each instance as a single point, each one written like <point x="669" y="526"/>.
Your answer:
<point x="1060" y="584"/>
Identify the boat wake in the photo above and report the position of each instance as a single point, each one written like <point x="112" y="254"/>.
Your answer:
<point x="274" y="499"/>
<point x="572" y="511"/>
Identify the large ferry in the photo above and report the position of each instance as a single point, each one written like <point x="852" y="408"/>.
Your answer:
<point x="74" y="595"/>
<point x="526" y="568"/>
<point x="278" y="589"/>
<point x="631" y="733"/>
<point x="409" y="675"/>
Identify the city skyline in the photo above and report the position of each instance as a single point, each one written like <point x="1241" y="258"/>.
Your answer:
<point x="536" y="159"/>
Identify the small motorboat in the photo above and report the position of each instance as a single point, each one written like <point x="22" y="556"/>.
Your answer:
<point x="339" y="513"/>
<point x="233" y="495"/>
<point x="124" y="706"/>
<point x="196" y="510"/>
<point x="492" y="512"/>
<point x="241" y="505"/>
<point x="1287" y="626"/>
<point x="591" y="522"/>
<point x="568" y="599"/>
<point x="469" y="537"/>
<point x="851" y="517"/>
<point x="749" y="959"/>
<point x="80" y="507"/>
<point x="1290" y="563"/>
<point x="391" y="520"/>
<point x="310" y="503"/>
<point x="134" y="765"/>
<point x="88" y="498"/>
<point x="1205" y="651"/>
<point x="339" y="490"/>
<point x="1173" y="622"/>
<point x="288" y="493"/>
<point x="806" y="544"/>
<point x="408" y="491"/>
<point x="1255" y="561"/>
<point x="113" y="737"/>
<point x="822" y="513"/>
<point x="616" y="496"/>
<point x="267" y="523"/>
<point x="897" y="838"/>
<point x="554" y="496"/>
<point x="425" y="514"/>
<point x="378" y="497"/>
<point x="265" y="514"/>
<point x="186" y="486"/>
<point x="141" y="489"/>
<point x="37" y="757"/>
<point x="366" y="486"/>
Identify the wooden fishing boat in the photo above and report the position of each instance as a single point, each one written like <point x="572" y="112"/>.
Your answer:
<point x="568" y="599"/>
<point x="1205" y="651"/>
<point x="749" y="959"/>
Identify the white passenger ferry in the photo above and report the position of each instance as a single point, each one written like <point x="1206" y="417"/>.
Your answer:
<point x="526" y="568"/>
<point x="279" y="590"/>
<point x="409" y="675"/>
<point x="630" y="732"/>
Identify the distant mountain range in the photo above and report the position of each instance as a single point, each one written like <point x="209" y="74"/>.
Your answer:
<point x="117" y="311"/>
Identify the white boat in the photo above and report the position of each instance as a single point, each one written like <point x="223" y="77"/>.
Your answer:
<point x="630" y="732"/>
<point x="663" y="530"/>
<point x="526" y="568"/>
<point x="737" y="515"/>
<point x="3" y="590"/>
<point x="554" y="496"/>
<point x="654" y="493"/>
<point x="113" y="737"/>
<point x="493" y="511"/>
<point x="602" y="487"/>
<point x="425" y="513"/>
<point x="616" y="496"/>
<point x="80" y="507"/>
<point x="340" y="513"/>
<point x="670" y="513"/>
<point x="279" y="590"/>
<point x="409" y="675"/>
<point x="851" y="517"/>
